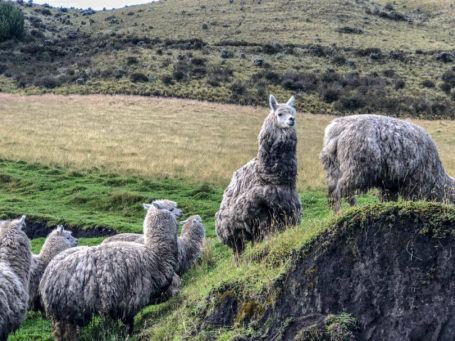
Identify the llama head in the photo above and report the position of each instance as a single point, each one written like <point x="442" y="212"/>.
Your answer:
<point x="284" y="112"/>
<point x="60" y="231"/>
<point x="169" y="205"/>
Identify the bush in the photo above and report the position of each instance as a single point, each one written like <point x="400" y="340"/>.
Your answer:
<point x="329" y="95"/>
<point x="427" y="83"/>
<point x="138" y="77"/>
<point x="449" y="77"/>
<point x="445" y="87"/>
<point x="299" y="81"/>
<point x="11" y="21"/>
<point x="400" y="84"/>
<point x="47" y="82"/>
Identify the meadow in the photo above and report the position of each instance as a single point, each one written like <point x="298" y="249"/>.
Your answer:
<point x="90" y="161"/>
<point x="199" y="142"/>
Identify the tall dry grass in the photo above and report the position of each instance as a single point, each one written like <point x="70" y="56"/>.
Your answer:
<point x="156" y="137"/>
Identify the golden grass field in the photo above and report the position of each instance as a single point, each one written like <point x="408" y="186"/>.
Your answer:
<point x="157" y="137"/>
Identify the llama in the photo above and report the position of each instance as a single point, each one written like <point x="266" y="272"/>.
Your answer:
<point x="262" y="195"/>
<point x="189" y="246"/>
<point x="15" y="261"/>
<point x="57" y="241"/>
<point x="361" y="152"/>
<point x="171" y="206"/>
<point x="115" y="279"/>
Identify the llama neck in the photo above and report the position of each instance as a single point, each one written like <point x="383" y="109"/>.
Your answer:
<point x="160" y="234"/>
<point x="277" y="154"/>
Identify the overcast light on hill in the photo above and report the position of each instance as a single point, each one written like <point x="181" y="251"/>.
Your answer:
<point x="96" y="5"/>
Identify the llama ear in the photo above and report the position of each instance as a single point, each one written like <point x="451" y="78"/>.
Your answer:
<point x="59" y="229"/>
<point x="157" y="205"/>
<point x="273" y="102"/>
<point x="146" y="206"/>
<point x="291" y="101"/>
<point x="22" y="222"/>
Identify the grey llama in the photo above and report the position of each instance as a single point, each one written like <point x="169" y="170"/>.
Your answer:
<point x="15" y="260"/>
<point x="361" y="152"/>
<point x="262" y="195"/>
<point x="116" y="279"/>
<point x="57" y="241"/>
<point x="189" y="246"/>
<point x="139" y="238"/>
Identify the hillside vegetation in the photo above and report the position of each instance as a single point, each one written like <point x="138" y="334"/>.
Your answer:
<point x="335" y="56"/>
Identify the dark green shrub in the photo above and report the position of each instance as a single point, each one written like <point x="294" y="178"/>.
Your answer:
<point x="139" y="77"/>
<point x="11" y="21"/>
<point x="445" y="87"/>
<point x="449" y="77"/>
<point x="427" y="83"/>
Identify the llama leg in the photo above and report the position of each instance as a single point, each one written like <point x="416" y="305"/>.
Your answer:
<point x="72" y="332"/>
<point x="59" y="330"/>
<point x="386" y="195"/>
<point x="335" y="198"/>
<point x="352" y="200"/>
<point x="129" y="322"/>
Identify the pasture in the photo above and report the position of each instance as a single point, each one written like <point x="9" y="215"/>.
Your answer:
<point x="199" y="142"/>
<point x="90" y="161"/>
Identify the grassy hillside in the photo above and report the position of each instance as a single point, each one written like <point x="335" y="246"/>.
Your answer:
<point x="86" y="200"/>
<point x="335" y="56"/>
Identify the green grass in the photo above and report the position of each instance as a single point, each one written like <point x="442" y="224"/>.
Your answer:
<point x="215" y="276"/>
<point x="88" y="200"/>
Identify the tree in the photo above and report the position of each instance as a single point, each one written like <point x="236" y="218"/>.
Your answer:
<point x="11" y="21"/>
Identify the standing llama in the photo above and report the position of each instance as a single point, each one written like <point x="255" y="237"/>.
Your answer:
<point x="15" y="260"/>
<point x="169" y="205"/>
<point x="361" y="152"/>
<point x="262" y="195"/>
<point x="57" y="241"/>
<point x="115" y="279"/>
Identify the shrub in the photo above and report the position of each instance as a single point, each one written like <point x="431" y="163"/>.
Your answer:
<point x="131" y="60"/>
<point x="138" y="77"/>
<point x="47" y="82"/>
<point x="238" y="88"/>
<point x="329" y="95"/>
<point x="11" y="21"/>
<point x="218" y="74"/>
<point x="198" y="61"/>
<point x="427" y="83"/>
<point x="349" y="30"/>
<point x="445" y="87"/>
<point x="351" y="103"/>
<point x="449" y="77"/>
<point x="400" y="84"/>
<point x="300" y="81"/>
<point x="167" y="80"/>
<point x="389" y="73"/>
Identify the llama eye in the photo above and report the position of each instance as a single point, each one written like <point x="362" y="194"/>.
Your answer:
<point x="280" y="114"/>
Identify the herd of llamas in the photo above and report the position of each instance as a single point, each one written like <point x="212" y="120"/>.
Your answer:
<point x="71" y="284"/>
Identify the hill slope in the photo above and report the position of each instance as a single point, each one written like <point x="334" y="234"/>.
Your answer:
<point x="336" y="56"/>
